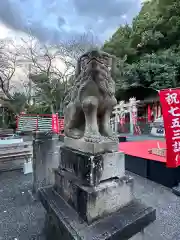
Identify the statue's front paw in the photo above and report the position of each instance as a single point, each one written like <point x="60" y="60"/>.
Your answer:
<point x="114" y="138"/>
<point x="94" y="138"/>
<point x="109" y="135"/>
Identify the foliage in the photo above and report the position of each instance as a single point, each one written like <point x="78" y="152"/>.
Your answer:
<point x="18" y="102"/>
<point x="49" y="92"/>
<point x="41" y="108"/>
<point x="149" y="49"/>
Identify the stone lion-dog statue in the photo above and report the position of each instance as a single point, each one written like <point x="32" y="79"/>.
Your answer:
<point x="89" y="103"/>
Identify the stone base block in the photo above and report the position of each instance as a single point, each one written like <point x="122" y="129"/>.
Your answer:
<point x="92" y="169"/>
<point x="89" y="147"/>
<point x="93" y="203"/>
<point x="63" y="222"/>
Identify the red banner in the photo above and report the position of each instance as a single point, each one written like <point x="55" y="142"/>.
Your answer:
<point x="149" y="113"/>
<point x="170" y="102"/>
<point x="122" y="122"/>
<point x="137" y="130"/>
<point x="55" y="123"/>
<point x="61" y="124"/>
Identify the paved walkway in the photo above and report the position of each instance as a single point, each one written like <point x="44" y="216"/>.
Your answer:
<point x="22" y="219"/>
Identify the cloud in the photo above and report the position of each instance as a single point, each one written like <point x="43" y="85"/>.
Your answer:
<point x="57" y="20"/>
<point x="61" y="21"/>
<point x="103" y="9"/>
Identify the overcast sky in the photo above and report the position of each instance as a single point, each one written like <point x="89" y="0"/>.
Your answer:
<point x="55" y="20"/>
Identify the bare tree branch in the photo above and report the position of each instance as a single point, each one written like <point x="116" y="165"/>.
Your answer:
<point x="8" y="63"/>
<point x="52" y="66"/>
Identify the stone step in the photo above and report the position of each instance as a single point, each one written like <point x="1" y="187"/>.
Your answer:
<point x="90" y="202"/>
<point x="63" y="222"/>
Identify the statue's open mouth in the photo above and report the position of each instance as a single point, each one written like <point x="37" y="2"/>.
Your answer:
<point x="97" y="60"/>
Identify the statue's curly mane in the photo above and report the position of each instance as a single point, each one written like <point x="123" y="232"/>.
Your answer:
<point x="83" y="75"/>
<point x="72" y="92"/>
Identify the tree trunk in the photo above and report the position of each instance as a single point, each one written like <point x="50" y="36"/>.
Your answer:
<point x="52" y="109"/>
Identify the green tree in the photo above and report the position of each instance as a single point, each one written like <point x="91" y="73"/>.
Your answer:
<point x="50" y="92"/>
<point x="149" y="49"/>
<point x="17" y="103"/>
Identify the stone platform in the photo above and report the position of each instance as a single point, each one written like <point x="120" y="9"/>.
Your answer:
<point x="63" y="222"/>
<point x="91" y="147"/>
<point x="90" y="202"/>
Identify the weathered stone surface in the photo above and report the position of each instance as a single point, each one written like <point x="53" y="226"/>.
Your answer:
<point x="114" y="165"/>
<point x="45" y="159"/>
<point x="92" y="203"/>
<point x="91" y="147"/>
<point x="90" y="101"/>
<point x="64" y="223"/>
<point x="91" y="169"/>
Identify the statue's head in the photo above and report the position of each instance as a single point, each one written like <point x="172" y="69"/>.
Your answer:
<point x="95" y="59"/>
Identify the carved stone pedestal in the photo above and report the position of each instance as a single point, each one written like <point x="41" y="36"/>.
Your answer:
<point x="63" y="222"/>
<point x="92" y="198"/>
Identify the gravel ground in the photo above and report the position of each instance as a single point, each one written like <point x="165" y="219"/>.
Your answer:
<point x="23" y="219"/>
<point x="20" y="217"/>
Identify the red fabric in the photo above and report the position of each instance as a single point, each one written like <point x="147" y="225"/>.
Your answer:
<point x="37" y="124"/>
<point x="149" y="113"/>
<point x="156" y="111"/>
<point x="159" y="111"/>
<point x="55" y="124"/>
<point x="170" y="102"/>
<point x="122" y="122"/>
<point x="140" y="149"/>
<point x="57" y="120"/>
<point x="134" y="118"/>
<point x="61" y="124"/>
